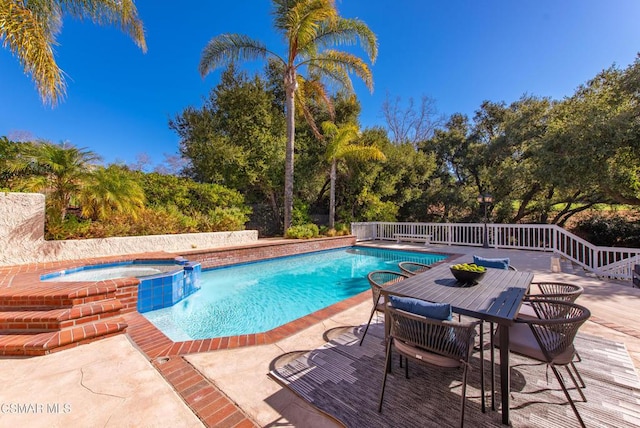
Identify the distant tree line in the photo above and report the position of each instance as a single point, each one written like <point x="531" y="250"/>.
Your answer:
<point x="542" y="160"/>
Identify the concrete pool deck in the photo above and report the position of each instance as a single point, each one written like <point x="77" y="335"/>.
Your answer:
<point x="113" y="382"/>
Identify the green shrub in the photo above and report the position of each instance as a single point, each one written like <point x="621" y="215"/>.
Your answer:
<point x="610" y="231"/>
<point x="342" y="229"/>
<point x="70" y="228"/>
<point x="303" y="231"/>
<point x="300" y="214"/>
<point x="174" y="205"/>
<point x="228" y="219"/>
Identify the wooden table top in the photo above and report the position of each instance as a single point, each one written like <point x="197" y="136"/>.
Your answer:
<point x="497" y="296"/>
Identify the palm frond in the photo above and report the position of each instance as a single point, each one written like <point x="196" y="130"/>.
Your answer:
<point x="122" y="13"/>
<point x="340" y="138"/>
<point x="308" y="90"/>
<point x="313" y="89"/>
<point x="339" y="65"/>
<point x="109" y="190"/>
<point x="227" y="48"/>
<point x="30" y="37"/>
<point x="361" y="153"/>
<point x="280" y="9"/>
<point x="304" y="20"/>
<point x="28" y="30"/>
<point x="349" y="32"/>
<point x="335" y="77"/>
<point x="305" y="111"/>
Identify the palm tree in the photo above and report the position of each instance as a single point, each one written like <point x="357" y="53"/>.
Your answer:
<point x="110" y="190"/>
<point x="341" y="145"/>
<point x="29" y="30"/>
<point x="309" y="28"/>
<point x="60" y="173"/>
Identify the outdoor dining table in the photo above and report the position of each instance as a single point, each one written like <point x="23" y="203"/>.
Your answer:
<point x="495" y="298"/>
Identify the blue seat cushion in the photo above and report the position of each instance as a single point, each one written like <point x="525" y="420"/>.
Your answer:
<point x="492" y="263"/>
<point x="437" y="311"/>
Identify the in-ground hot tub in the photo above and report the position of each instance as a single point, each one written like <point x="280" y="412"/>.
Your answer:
<point x="163" y="283"/>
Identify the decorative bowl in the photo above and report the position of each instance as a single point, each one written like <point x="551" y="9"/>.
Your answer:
<point x="467" y="276"/>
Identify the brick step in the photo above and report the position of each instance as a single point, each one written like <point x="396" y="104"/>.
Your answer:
<point x="45" y="343"/>
<point x="39" y="297"/>
<point x="23" y="321"/>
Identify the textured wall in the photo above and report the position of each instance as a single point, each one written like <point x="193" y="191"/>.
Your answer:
<point x="21" y="226"/>
<point x="22" y="237"/>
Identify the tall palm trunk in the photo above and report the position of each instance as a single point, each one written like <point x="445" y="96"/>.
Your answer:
<point x="290" y="84"/>
<point x="332" y="196"/>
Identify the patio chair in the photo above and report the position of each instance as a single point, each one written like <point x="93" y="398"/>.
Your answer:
<point x="549" y="339"/>
<point x="557" y="291"/>
<point x="413" y="268"/>
<point x="560" y="291"/>
<point x="436" y="343"/>
<point x="378" y="279"/>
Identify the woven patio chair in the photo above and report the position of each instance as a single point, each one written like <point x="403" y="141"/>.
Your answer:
<point x="378" y="279"/>
<point x="549" y="339"/>
<point x="413" y="268"/>
<point x="436" y="343"/>
<point x="560" y="291"/>
<point x="557" y="291"/>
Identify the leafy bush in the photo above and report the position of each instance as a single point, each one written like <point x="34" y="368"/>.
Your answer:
<point x="72" y="227"/>
<point x="174" y="205"/>
<point x="611" y="231"/>
<point x="374" y="209"/>
<point x="303" y="231"/>
<point x="227" y="219"/>
<point x="300" y="214"/>
<point x="342" y="229"/>
<point x="150" y="221"/>
<point x="186" y="194"/>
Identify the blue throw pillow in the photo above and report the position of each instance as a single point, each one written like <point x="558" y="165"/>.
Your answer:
<point x="438" y="311"/>
<point x="492" y="263"/>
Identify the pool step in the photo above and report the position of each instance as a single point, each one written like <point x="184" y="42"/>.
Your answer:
<point x="45" y="343"/>
<point x="39" y="320"/>
<point x="28" y="321"/>
<point x="37" y="299"/>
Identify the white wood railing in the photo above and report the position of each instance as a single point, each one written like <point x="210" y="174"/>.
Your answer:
<point x="610" y="262"/>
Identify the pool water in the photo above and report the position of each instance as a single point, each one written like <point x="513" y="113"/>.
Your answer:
<point x="116" y="270"/>
<point x="257" y="297"/>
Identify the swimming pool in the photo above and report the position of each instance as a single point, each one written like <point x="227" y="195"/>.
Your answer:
<point x="257" y="297"/>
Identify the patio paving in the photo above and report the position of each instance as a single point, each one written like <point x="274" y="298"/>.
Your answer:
<point x="107" y="383"/>
<point x="126" y="377"/>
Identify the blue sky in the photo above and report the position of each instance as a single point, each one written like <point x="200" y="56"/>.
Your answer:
<point x="460" y="53"/>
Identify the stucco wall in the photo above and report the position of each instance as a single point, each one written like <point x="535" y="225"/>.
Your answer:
<point x="22" y="237"/>
<point x="21" y="226"/>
